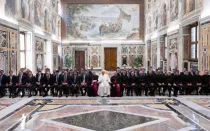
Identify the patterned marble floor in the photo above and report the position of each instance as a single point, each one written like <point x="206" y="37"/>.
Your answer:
<point x="106" y="114"/>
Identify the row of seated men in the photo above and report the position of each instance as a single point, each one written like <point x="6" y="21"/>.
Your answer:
<point x="130" y="83"/>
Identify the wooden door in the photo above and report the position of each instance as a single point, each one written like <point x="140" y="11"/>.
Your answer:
<point x="79" y="59"/>
<point x="110" y="55"/>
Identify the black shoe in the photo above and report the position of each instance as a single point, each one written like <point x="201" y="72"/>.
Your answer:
<point x="30" y="96"/>
<point x="22" y="96"/>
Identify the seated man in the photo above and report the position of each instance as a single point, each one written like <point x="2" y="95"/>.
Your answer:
<point x="151" y="83"/>
<point x="168" y="84"/>
<point x="124" y="82"/>
<point x="11" y="81"/>
<point x="196" y="82"/>
<point x="3" y="81"/>
<point x="39" y="83"/>
<point x="64" y="81"/>
<point x="55" y="88"/>
<point x="47" y="84"/>
<point x="30" y="83"/>
<point x="115" y="85"/>
<point x="75" y="84"/>
<point x="84" y="80"/>
<point x="141" y="80"/>
<point x="188" y="83"/>
<point x="132" y="84"/>
<point x="104" y="84"/>
<point x="205" y="82"/>
<point x="176" y="83"/>
<point x="21" y="83"/>
<point x="95" y="84"/>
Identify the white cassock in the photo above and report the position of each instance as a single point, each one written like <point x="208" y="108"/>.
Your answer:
<point x="104" y="87"/>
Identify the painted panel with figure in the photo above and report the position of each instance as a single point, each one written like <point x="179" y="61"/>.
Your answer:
<point x="189" y="5"/>
<point x="37" y="13"/>
<point x="10" y="8"/>
<point x="174" y="9"/>
<point x="3" y="38"/>
<point x="25" y="9"/>
<point x="102" y="21"/>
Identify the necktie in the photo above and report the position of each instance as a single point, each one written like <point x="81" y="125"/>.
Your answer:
<point x="56" y="78"/>
<point x="65" y="78"/>
<point x="0" y="79"/>
<point x="39" y="79"/>
<point x="74" y="79"/>
<point x="20" y="78"/>
<point x="84" y="79"/>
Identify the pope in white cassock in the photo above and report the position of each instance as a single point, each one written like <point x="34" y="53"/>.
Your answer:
<point x="104" y="87"/>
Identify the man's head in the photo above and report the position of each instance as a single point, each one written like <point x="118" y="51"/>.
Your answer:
<point x="197" y="72"/>
<point x="57" y="72"/>
<point x="10" y="72"/>
<point x="103" y="72"/>
<point x="132" y="73"/>
<point x="20" y="72"/>
<point x="39" y="72"/>
<point x="141" y="73"/>
<point x="115" y="73"/>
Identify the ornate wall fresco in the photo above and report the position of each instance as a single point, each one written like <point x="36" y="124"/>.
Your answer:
<point x="8" y="47"/>
<point x="173" y="54"/>
<point x="189" y="5"/>
<point x="40" y="52"/>
<point x="149" y="50"/>
<point x="163" y="21"/>
<point x="204" y="63"/>
<point x="67" y="57"/>
<point x="119" y="21"/>
<point x="37" y="13"/>
<point x="154" y="54"/>
<point x="54" y="24"/>
<point x="10" y="8"/>
<point x="130" y="54"/>
<point x="25" y="9"/>
<point x="55" y="56"/>
<point x="174" y="9"/>
<point x="94" y="56"/>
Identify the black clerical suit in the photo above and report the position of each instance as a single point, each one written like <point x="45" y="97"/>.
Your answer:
<point x="151" y="84"/>
<point x="39" y="84"/>
<point x="3" y="81"/>
<point x="168" y="84"/>
<point x="48" y="82"/>
<point x="132" y="84"/>
<point x="21" y="84"/>
<point x="124" y="84"/>
<point x="205" y="84"/>
<point x="30" y="85"/>
<point x="160" y="77"/>
<point x="196" y="83"/>
<point x="188" y="83"/>
<point x="141" y="81"/>
<point x="90" y="90"/>
<point x="114" y="81"/>
<point x="11" y="81"/>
